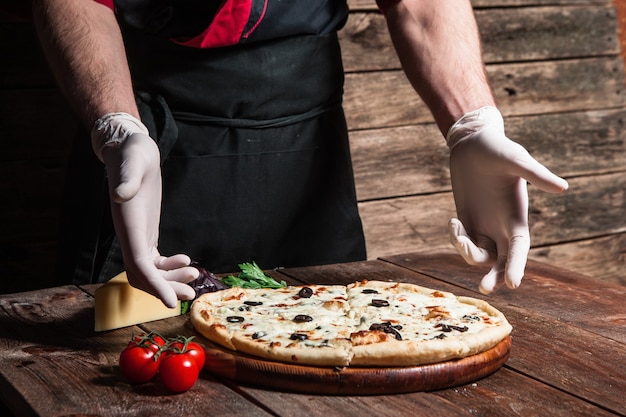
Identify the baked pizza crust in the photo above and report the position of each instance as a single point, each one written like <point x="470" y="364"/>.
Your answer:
<point x="337" y="353"/>
<point x="352" y="345"/>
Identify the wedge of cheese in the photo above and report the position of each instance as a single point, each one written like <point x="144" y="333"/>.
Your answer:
<point x="118" y="304"/>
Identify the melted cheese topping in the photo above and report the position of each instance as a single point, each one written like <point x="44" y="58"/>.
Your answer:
<point x="285" y="317"/>
<point x="363" y="313"/>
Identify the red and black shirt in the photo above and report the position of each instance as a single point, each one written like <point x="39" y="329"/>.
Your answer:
<point x="218" y="23"/>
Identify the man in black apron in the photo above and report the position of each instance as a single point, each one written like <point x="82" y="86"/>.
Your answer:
<point x="243" y="99"/>
<point x="252" y="140"/>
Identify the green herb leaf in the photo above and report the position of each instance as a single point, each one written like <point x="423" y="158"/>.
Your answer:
<point x="252" y="276"/>
<point x="185" y="305"/>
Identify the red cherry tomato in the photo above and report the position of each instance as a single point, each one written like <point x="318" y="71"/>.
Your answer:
<point x="139" y="361"/>
<point x="182" y="363"/>
<point x="152" y="340"/>
<point x="192" y="349"/>
<point x="138" y="364"/>
<point x="178" y="372"/>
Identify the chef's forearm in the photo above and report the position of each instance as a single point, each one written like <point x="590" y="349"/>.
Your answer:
<point x="83" y="45"/>
<point x="439" y="47"/>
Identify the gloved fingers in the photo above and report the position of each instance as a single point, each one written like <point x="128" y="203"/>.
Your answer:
<point x="471" y="253"/>
<point x="182" y="290"/>
<point x="177" y="268"/>
<point x="167" y="285"/>
<point x="172" y="262"/>
<point x="184" y="274"/>
<point x="490" y="281"/>
<point x="527" y="167"/>
<point x="153" y="283"/>
<point x="519" y="245"/>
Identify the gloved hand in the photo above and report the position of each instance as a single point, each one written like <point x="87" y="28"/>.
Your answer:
<point x="133" y="169"/>
<point x="489" y="173"/>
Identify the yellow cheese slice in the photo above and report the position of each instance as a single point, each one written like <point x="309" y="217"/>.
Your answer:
<point x="118" y="304"/>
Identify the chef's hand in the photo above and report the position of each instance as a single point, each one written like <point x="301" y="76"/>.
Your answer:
<point x="133" y="170"/>
<point x="489" y="173"/>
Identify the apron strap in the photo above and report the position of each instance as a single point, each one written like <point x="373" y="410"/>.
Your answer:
<point x="256" y="124"/>
<point x="156" y="115"/>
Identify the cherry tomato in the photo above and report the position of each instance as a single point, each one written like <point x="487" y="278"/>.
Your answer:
<point x="139" y="361"/>
<point x="138" y="364"/>
<point x="152" y="340"/>
<point x="192" y="349"/>
<point x="178" y="371"/>
<point x="197" y="352"/>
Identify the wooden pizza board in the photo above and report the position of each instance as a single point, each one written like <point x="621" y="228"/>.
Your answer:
<point x="247" y="370"/>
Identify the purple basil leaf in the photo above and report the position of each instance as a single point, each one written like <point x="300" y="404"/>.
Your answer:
<point x="206" y="282"/>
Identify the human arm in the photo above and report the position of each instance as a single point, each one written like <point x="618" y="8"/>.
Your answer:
<point x="439" y="48"/>
<point x="84" y="47"/>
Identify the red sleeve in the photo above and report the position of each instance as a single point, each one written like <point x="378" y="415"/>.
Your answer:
<point x="107" y="3"/>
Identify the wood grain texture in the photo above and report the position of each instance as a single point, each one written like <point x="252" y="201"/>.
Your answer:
<point x="385" y="99"/>
<point x="603" y="257"/>
<point x="559" y="222"/>
<point x="508" y="35"/>
<point x="420" y="222"/>
<point x="371" y="4"/>
<point x="410" y="160"/>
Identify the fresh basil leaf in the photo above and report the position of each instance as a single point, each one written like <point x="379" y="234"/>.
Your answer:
<point x="252" y="276"/>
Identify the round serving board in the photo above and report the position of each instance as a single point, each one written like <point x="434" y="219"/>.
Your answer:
<point x="247" y="370"/>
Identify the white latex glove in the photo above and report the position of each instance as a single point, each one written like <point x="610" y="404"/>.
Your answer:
<point x="489" y="173"/>
<point x="133" y="169"/>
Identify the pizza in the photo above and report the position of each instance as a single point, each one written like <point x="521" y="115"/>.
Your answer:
<point x="366" y="323"/>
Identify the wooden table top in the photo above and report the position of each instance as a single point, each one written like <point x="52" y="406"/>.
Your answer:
<point x="568" y="354"/>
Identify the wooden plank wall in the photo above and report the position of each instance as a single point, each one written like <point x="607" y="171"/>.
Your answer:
<point x="558" y="76"/>
<point x="556" y="70"/>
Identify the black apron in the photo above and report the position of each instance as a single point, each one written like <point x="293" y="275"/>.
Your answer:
<point x="254" y="151"/>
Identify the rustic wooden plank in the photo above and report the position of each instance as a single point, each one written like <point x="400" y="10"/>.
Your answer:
<point x="534" y="88"/>
<point x="620" y="7"/>
<point x="399" y="161"/>
<point x="466" y="400"/>
<point x="541" y="33"/>
<point x="500" y="394"/>
<point x="603" y="258"/>
<point x="371" y="4"/>
<point x="569" y="358"/>
<point x="508" y="35"/>
<point x="576" y="143"/>
<point x="517" y="3"/>
<point x="50" y="350"/>
<point x="415" y="404"/>
<point x="401" y="225"/>
<point x="593" y="206"/>
<point x="414" y="159"/>
<point x="552" y="342"/>
<point x="386" y="99"/>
